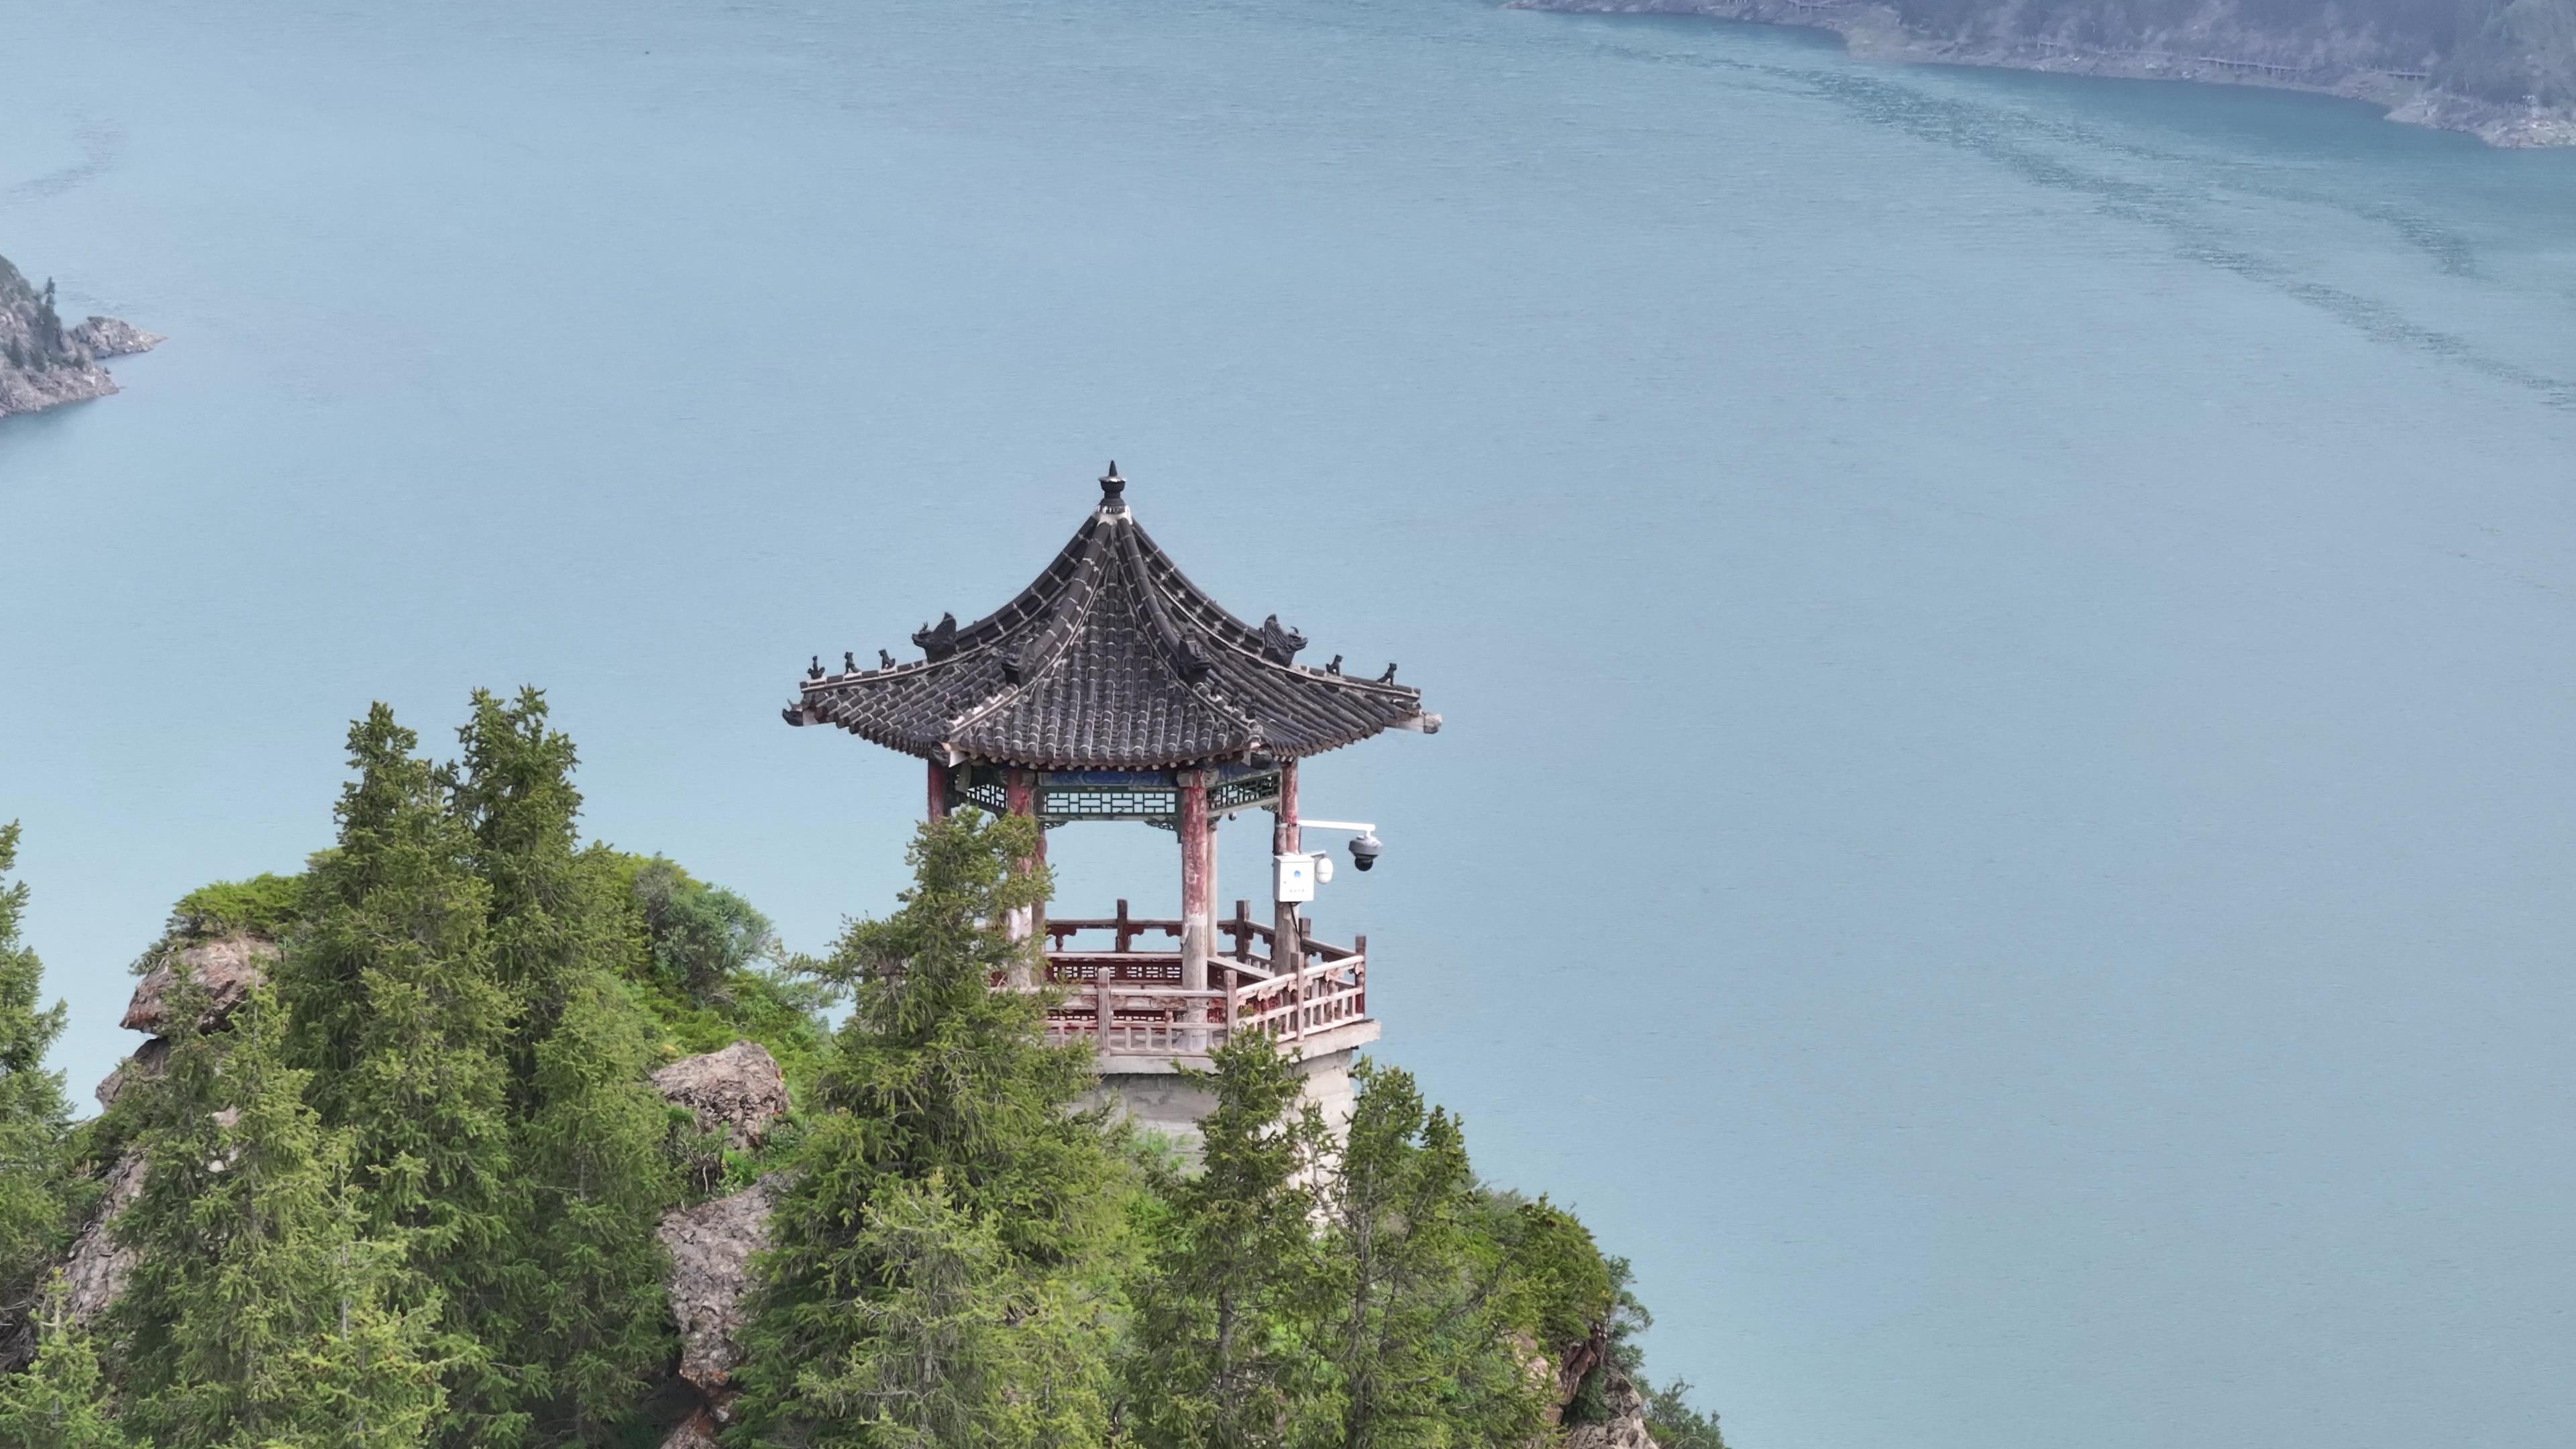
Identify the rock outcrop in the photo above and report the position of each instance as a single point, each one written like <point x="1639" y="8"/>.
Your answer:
<point x="44" y="364"/>
<point x="147" y="1062"/>
<point x="1626" y="1426"/>
<point x="737" y="1092"/>
<point x="96" y="1268"/>
<point x="108" y="337"/>
<point x="1562" y="1377"/>
<point x="230" y="968"/>
<point x="695" y="1432"/>
<point x="711" y="1246"/>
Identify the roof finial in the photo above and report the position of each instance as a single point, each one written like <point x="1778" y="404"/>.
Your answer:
<point x="1111" y="485"/>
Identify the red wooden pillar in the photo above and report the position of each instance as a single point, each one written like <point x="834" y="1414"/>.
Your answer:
<point x="1285" y="839"/>
<point x="1198" y="882"/>
<point x="1020" y="794"/>
<point x="938" y="791"/>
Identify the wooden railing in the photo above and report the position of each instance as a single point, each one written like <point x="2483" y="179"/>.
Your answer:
<point x="1132" y="1003"/>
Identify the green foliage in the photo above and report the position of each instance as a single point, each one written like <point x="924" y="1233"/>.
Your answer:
<point x="783" y="1013"/>
<point x="392" y="1003"/>
<point x="34" y="1117"/>
<point x="1229" y="1351"/>
<point x="396" y="1014"/>
<point x="61" y="1401"/>
<point x="1566" y="1286"/>
<point x="1674" y="1423"/>
<point x="515" y="797"/>
<point x="1420" y="1322"/>
<point x="584" y="1324"/>
<point x="261" y="1311"/>
<point x="700" y="937"/>
<point x="598" y="1180"/>
<point x="266" y="905"/>
<point x="959" y="1345"/>
<point x="943" y="1107"/>
<point x="709" y="970"/>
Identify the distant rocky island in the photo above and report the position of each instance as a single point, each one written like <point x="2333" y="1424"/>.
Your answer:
<point x="45" y="364"/>
<point x="2501" y="70"/>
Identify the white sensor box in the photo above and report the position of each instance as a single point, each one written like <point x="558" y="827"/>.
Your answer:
<point x="1292" y="878"/>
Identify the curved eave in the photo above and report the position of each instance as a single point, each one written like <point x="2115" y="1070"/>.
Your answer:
<point x="1350" y="710"/>
<point x="1110" y="659"/>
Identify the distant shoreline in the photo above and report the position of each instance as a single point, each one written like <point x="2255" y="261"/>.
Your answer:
<point x="1877" y="32"/>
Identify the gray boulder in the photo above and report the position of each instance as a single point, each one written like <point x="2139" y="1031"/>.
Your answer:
<point x="711" y="1246"/>
<point x="738" y="1091"/>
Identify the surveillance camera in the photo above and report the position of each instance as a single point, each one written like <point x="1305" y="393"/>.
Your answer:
<point x="1364" y="851"/>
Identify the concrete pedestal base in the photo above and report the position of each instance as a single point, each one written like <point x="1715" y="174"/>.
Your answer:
<point x="1151" y="1092"/>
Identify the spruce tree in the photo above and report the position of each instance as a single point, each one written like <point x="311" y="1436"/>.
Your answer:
<point x="515" y="795"/>
<point x="397" y="1017"/>
<point x="61" y="1400"/>
<point x="597" y="1323"/>
<point x="260" y="1312"/>
<point x="34" y="1117"/>
<point x="1417" y="1305"/>
<point x="589" y="1317"/>
<point x="935" y="1263"/>
<point x="1228" y="1314"/>
<point x="959" y="1346"/>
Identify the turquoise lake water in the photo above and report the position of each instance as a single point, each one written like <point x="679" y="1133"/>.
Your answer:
<point x="2008" y="643"/>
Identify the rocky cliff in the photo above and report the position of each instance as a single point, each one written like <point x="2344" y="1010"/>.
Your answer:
<point x="44" y="363"/>
<point x="2508" y="78"/>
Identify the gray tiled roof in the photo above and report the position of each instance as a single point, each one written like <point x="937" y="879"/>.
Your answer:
<point x="1111" y="660"/>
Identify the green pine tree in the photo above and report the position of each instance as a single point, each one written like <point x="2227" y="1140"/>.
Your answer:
<point x="1674" y="1422"/>
<point x="935" y="1270"/>
<point x="371" y="1382"/>
<point x="34" y="1117"/>
<point x="260" y="1313"/>
<point x="957" y="1344"/>
<point x="1228" y="1317"/>
<point x="515" y="794"/>
<point x="61" y="1400"/>
<point x="591" y="1322"/>
<point x="598" y="1326"/>
<point x="1419" y="1319"/>
<point x="397" y="1016"/>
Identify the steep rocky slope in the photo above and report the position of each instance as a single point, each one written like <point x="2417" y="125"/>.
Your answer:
<point x="44" y="363"/>
<point x="2501" y="70"/>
